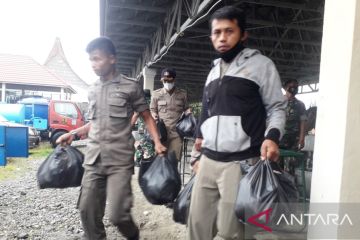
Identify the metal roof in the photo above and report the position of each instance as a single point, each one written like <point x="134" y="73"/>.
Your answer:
<point x="167" y="33"/>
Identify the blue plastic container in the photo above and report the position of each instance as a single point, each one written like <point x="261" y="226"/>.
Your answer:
<point x="13" y="112"/>
<point x="41" y="111"/>
<point x="40" y="123"/>
<point x="14" y="141"/>
<point x="2" y="146"/>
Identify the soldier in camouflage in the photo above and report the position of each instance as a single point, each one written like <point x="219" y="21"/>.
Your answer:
<point x="144" y="147"/>
<point x="294" y="136"/>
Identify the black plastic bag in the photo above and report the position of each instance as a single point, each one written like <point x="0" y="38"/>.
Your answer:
<point x="61" y="169"/>
<point x="182" y="203"/>
<point x="160" y="182"/>
<point x="265" y="187"/>
<point x="161" y="130"/>
<point x="186" y="125"/>
<point x="144" y="166"/>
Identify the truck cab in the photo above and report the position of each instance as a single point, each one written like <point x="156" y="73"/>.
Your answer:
<point x="64" y="116"/>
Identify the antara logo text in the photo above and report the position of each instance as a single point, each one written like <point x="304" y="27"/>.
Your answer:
<point x="329" y="219"/>
<point x="314" y="219"/>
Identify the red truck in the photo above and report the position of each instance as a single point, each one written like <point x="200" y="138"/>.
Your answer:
<point x="51" y="118"/>
<point x="64" y="116"/>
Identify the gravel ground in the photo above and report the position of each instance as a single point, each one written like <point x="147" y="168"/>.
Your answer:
<point x="26" y="212"/>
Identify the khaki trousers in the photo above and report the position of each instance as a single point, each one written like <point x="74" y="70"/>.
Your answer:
<point x="111" y="183"/>
<point x="213" y="201"/>
<point x="174" y="144"/>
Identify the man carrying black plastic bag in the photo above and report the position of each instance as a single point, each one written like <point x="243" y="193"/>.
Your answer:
<point x="242" y="117"/>
<point x="61" y="169"/>
<point x="109" y="157"/>
<point x="265" y="192"/>
<point x="160" y="182"/>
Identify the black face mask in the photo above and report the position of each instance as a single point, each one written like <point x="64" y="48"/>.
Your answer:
<point x="293" y="90"/>
<point x="229" y="55"/>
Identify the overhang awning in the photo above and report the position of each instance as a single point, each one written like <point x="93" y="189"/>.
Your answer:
<point x="165" y="33"/>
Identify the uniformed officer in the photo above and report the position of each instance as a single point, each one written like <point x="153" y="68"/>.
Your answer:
<point x="294" y="136"/>
<point x="168" y="103"/>
<point x="109" y="162"/>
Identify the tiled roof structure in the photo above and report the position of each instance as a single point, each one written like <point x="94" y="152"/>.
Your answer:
<point x="23" y="70"/>
<point x="57" y="62"/>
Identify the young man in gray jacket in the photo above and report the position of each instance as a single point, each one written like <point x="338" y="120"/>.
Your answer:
<point x="242" y="119"/>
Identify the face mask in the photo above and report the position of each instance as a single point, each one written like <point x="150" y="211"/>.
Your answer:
<point x="293" y="90"/>
<point x="169" y="86"/>
<point x="229" y="55"/>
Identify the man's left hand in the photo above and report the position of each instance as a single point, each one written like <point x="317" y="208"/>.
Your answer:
<point x="269" y="150"/>
<point x="160" y="149"/>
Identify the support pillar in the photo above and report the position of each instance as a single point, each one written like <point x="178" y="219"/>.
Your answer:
<point x="149" y="76"/>
<point x="62" y="94"/>
<point x="335" y="176"/>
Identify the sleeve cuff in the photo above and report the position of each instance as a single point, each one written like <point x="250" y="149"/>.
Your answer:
<point x="198" y="133"/>
<point x="273" y="135"/>
<point x="141" y="108"/>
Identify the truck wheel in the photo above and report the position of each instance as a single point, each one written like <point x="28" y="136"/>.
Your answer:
<point x="55" y="137"/>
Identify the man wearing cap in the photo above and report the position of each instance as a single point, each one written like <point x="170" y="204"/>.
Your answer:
<point x="168" y="103"/>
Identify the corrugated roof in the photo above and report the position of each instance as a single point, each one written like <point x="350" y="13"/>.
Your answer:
<point x="18" y="69"/>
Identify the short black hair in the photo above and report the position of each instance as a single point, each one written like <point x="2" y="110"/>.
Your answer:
<point x="230" y="13"/>
<point x="291" y="81"/>
<point x="169" y="72"/>
<point x="102" y="43"/>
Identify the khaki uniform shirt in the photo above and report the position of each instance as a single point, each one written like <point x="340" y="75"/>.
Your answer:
<point x="169" y="108"/>
<point x="111" y="105"/>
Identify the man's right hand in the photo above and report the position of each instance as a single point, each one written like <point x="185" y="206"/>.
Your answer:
<point x="198" y="143"/>
<point x="160" y="149"/>
<point x="66" y="138"/>
<point x="195" y="166"/>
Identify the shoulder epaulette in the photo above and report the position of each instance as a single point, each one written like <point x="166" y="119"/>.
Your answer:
<point x="129" y="78"/>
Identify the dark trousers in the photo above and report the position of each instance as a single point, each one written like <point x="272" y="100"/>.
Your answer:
<point x="111" y="183"/>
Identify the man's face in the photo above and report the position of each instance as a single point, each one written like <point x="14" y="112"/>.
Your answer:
<point x="167" y="79"/>
<point x="225" y="34"/>
<point x="292" y="88"/>
<point x="101" y="63"/>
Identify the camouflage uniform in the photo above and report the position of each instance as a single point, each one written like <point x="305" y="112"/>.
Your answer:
<point x="295" y="113"/>
<point x="145" y="148"/>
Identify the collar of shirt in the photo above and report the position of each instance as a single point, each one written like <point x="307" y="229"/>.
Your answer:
<point x="116" y="79"/>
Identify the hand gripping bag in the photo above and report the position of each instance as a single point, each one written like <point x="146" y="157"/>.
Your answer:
<point x="265" y="193"/>
<point x="161" y="182"/>
<point x="61" y="169"/>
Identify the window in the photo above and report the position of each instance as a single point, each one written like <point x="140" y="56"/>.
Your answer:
<point x="66" y="109"/>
